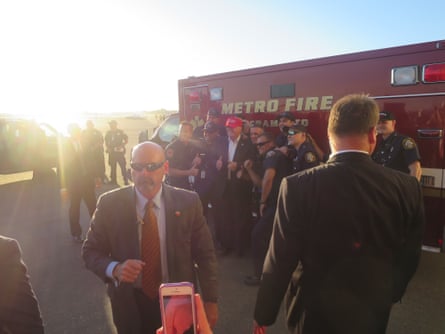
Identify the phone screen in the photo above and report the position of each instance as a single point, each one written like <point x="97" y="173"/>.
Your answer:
<point x="178" y="311"/>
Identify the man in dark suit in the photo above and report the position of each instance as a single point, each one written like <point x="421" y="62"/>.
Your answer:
<point x="347" y="235"/>
<point x="19" y="309"/>
<point x="114" y="248"/>
<point x="238" y="188"/>
<point x="77" y="180"/>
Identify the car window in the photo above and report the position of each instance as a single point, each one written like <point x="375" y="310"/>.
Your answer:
<point x="169" y="129"/>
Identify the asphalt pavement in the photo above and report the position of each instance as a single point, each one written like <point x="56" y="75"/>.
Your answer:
<point x="73" y="300"/>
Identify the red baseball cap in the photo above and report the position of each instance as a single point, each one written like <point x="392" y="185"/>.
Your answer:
<point x="234" y="122"/>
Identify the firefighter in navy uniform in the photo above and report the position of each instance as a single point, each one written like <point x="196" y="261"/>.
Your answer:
<point x="275" y="166"/>
<point x="215" y="117"/>
<point x="211" y="179"/>
<point x="394" y="150"/>
<point x="183" y="158"/>
<point x="305" y="154"/>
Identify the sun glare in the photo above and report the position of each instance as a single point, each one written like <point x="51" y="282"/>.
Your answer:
<point x="60" y="122"/>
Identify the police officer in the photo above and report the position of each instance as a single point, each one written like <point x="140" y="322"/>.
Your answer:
<point x="285" y="121"/>
<point x="115" y="141"/>
<point x="183" y="158"/>
<point x="210" y="181"/>
<point x="305" y="154"/>
<point x="394" y="150"/>
<point x="275" y="166"/>
<point x="215" y="117"/>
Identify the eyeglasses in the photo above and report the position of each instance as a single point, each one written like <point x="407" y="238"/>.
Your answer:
<point x="150" y="167"/>
<point x="262" y="144"/>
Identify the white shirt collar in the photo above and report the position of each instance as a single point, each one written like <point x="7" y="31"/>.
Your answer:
<point x="347" y="151"/>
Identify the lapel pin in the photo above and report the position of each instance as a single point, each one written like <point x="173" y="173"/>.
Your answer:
<point x="177" y="213"/>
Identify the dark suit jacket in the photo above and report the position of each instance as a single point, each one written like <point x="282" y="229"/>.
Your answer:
<point x="356" y="229"/>
<point x="113" y="236"/>
<point x="19" y="310"/>
<point x="245" y="150"/>
<point x="74" y="166"/>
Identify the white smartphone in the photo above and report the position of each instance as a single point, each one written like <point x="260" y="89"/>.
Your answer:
<point x="178" y="310"/>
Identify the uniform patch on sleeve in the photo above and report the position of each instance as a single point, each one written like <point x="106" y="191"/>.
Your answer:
<point x="408" y="144"/>
<point x="270" y="154"/>
<point x="310" y="157"/>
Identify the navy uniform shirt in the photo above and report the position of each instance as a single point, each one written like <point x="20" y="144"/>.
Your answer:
<point x="275" y="159"/>
<point x="305" y="157"/>
<point x="115" y="140"/>
<point x="180" y="155"/>
<point x="209" y="179"/>
<point x="396" y="152"/>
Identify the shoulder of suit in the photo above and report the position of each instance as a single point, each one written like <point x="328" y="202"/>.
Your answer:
<point x="178" y="195"/>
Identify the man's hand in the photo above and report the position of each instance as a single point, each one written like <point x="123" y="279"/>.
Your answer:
<point x="248" y="164"/>
<point x="232" y="165"/>
<point x="219" y="163"/>
<point x="193" y="171"/>
<point x="128" y="271"/>
<point x="201" y="317"/>
<point x="196" y="160"/>
<point x="262" y="208"/>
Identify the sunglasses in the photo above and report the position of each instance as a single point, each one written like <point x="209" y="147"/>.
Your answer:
<point x="262" y="144"/>
<point x="150" y="167"/>
<point x="292" y="132"/>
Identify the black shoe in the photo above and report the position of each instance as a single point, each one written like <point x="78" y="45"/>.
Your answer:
<point x="78" y="239"/>
<point x="252" y="280"/>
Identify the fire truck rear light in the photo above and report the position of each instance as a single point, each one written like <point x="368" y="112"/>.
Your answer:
<point x="194" y="97"/>
<point x="401" y="76"/>
<point x="432" y="73"/>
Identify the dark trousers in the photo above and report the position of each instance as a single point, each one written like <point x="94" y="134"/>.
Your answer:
<point x="261" y="233"/>
<point x="82" y="188"/>
<point x="117" y="158"/>
<point x="150" y="312"/>
<point x="237" y="216"/>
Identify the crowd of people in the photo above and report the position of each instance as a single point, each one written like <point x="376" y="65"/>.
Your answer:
<point x="334" y="233"/>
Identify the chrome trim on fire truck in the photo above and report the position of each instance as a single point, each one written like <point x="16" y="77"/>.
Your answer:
<point x="407" y="95"/>
<point x="430" y="133"/>
<point x="432" y="177"/>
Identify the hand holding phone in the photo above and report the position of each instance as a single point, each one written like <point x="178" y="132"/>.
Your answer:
<point x="201" y="317"/>
<point x="178" y="308"/>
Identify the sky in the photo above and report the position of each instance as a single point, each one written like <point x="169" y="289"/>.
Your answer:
<point x="61" y="58"/>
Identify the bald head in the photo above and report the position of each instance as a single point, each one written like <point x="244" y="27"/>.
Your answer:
<point x="148" y="167"/>
<point x="150" y="149"/>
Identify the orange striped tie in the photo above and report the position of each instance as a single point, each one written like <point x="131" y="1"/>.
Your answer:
<point x="151" y="253"/>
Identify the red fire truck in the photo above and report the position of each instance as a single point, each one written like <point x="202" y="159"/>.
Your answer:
<point x="407" y="80"/>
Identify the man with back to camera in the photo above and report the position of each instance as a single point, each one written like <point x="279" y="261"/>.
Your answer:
<point x="395" y="150"/>
<point x="347" y="235"/>
<point x="77" y="180"/>
<point x="19" y="309"/>
<point x="117" y="245"/>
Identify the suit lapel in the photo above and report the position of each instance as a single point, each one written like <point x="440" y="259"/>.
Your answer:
<point x="170" y="209"/>
<point x="129" y="203"/>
